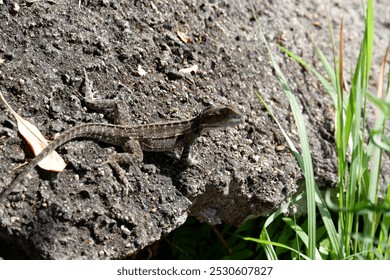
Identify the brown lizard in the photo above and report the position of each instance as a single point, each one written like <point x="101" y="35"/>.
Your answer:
<point x="135" y="139"/>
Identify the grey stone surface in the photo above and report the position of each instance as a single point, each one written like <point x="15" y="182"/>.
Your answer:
<point x="248" y="170"/>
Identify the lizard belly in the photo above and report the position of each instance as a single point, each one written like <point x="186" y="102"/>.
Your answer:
<point x="158" y="145"/>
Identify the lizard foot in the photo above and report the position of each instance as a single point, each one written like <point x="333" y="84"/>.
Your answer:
<point x="191" y="162"/>
<point x="127" y="188"/>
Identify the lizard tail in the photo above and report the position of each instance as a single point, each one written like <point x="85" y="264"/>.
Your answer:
<point x="32" y="164"/>
<point x="80" y="131"/>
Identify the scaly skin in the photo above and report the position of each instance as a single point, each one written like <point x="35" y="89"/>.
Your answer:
<point x="135" y="139"/>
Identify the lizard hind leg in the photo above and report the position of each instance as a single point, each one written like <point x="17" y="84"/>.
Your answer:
<point x="122" y="177"/>
<point x="133" y="154"/>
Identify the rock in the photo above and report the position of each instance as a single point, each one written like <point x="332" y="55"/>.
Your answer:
<point x="81" y="213"/>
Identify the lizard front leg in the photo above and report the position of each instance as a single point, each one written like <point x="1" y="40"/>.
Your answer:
<point x="119" y="107"/>
<point x="133" y="152"/>
<point x="186" y="159"/>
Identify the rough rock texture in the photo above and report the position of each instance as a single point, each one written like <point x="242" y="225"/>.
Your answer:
<point x="247" y="170"/>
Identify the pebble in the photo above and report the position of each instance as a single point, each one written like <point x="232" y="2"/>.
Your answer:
<point x="101" y="253"/>
<point x="280" y="148"/>
<point x="125" y="230"/>
<point x="15" y="8"/>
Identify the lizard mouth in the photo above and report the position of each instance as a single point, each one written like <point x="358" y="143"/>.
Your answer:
<point x="222" y="124"/>
<point x="233" y="121"/>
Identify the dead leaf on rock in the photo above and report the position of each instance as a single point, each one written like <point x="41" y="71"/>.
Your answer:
<point x="184" y="37"/>
<point x="37" y="142"/>
<point x="189" y="70"/>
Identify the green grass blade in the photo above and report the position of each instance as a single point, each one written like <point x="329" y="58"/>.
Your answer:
<point x="334" y="237"/>
<point x="384" y="236"/>
<point x="291" y="145"/>
<point x="328" y="86"/>
<point x="307" y="161"/>
<point x="268" y="248"/>
<point x="277" y="245"/>
<point x="324" y="211"/>
<point x="301" y="234"/>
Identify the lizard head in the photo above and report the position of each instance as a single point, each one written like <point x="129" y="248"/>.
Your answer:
<point x="219" y="117"/>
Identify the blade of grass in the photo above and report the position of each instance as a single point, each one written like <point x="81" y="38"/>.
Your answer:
<point x="291" y="145"/>
<point x="301" y="234"/>
<point x="307" y="161"/>
<point x="306" y="156"/>
<point x="362" y="75"/>
<point x="328" y="86"/>
<point x="377" y="151"/>
<point x="268" y="248"/>
<point x="383" y="113"/>
<point x="323" y="209"/>
<point x="384" y="236"/>
<point x="258" y="240"/>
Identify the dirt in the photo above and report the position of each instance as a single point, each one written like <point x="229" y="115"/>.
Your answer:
<point x="244" y="171"/>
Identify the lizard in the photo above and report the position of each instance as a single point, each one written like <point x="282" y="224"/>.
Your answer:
<point x="133" y="139"/>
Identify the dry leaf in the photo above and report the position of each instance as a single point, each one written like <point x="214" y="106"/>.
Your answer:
<point x="184" y="37"/>
<point x="193" y="68"/>
<point x="37" y="142"/>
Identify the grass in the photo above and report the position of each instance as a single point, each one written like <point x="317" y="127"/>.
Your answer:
<point x="357" y="225"/>
<point x="354" y="224"/>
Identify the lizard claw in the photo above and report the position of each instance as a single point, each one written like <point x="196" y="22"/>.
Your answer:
<point x="192" y="162"/>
